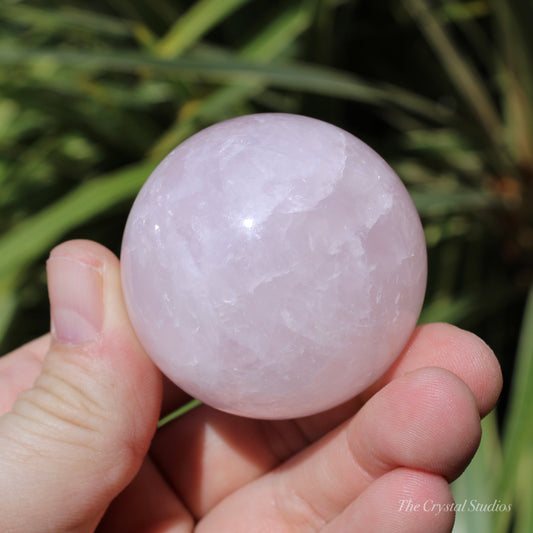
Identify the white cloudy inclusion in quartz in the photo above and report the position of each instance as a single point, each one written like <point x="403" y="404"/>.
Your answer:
<point x="273" y="266"/>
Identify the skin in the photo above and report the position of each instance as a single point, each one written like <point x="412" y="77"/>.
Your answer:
<point x="79" y="450"/>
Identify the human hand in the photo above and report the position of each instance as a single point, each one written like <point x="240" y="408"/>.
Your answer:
<point x="79" y="449"/>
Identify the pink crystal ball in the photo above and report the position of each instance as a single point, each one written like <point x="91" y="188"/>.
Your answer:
<point x="273" y="266"/>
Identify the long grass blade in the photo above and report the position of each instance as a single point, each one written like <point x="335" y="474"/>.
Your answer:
<point x="513" y="22"/>
<point x="8" y="304"/>
<point x="192" y="25"/>
<point x="462" y="73"/>
<point x="518" y="429"/>
<point x="524" y="495"/>
<point x="34" y="236"/>
<point x="65" y="20"/>
<point x="296" y="76"/>
<point x="438" y="202"/>
<point x="477" y="484"/>
<point x="264" y="47"/>
<point x="189" y="406"/>
<point x="467" y="309"/>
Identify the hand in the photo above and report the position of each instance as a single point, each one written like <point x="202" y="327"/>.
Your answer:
<point x="79" y="449"/>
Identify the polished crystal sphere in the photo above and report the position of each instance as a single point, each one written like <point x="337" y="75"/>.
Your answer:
<point x="273" y="266"/>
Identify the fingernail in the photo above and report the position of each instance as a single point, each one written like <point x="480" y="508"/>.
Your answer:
<point x="76" y="299"/>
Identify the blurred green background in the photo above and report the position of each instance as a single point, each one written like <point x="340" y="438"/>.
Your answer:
<point x="93" y="93"/>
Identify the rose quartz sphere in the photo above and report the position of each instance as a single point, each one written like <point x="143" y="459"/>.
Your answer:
<point x="273" y="266"/>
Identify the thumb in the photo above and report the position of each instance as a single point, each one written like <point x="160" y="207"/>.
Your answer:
<point x="78" y="437"/>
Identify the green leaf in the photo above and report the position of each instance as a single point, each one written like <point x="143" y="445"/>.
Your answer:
<point x="464" y="10"/>
<point x="513" y="22"/>
<point x="36" y="234"/>
<point x="462" y="73"/>
<point x="189" y="406"/>
<point x="515" y="480"/>
<point x="477" y="484"/>
<point x="265" y="46"/>
<point x="297" y="76"/>
<point x="65" y="20"/>
<point x="8" y="304"/>
<point x="435" y="202"/>
<point x="192" y="25"/>
<point x="467" y="309"/>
